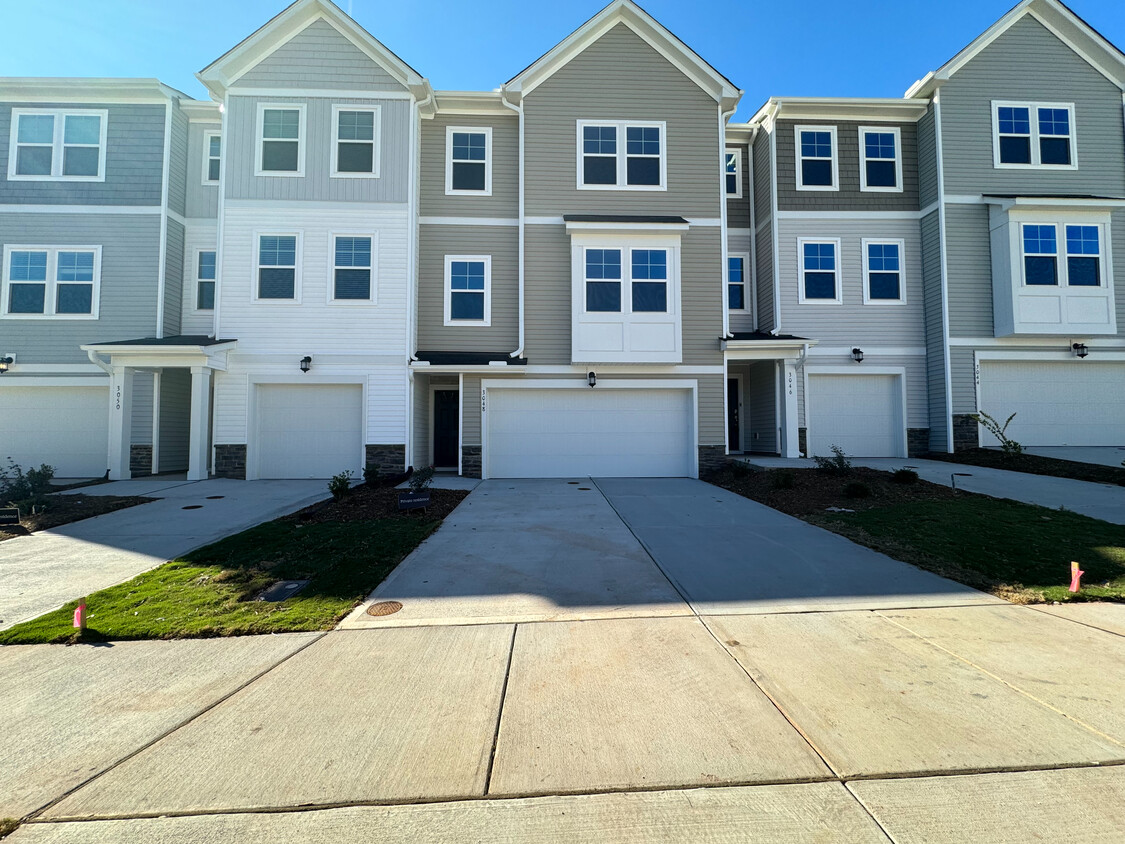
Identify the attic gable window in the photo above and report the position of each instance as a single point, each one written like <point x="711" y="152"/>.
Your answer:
<point x="281" y="133"/>
<point x="1033" y="135"/>
<point x="621" y="155"/>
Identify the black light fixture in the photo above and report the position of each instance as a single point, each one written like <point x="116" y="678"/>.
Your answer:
<point x="857" y="355"/>
<point x="591" y="378"/>
<point x="5" y="362"/>
<point x="1080" y="349"/>
<point x="306" y="363"/>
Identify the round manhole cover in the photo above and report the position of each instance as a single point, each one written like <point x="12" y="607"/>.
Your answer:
<point x="193" y="507"/>
<point x="384" y="608"/>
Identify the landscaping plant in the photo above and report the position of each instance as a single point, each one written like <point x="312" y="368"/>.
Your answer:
<point x="421" y="479"/>
<point x="340" y="484"/>
<point x="25" y="489"/>
<point x="1008" y="446"/>
<point x="837" y="464"/>
<point x="904" y="476"/>
<point x="857" y="489"/>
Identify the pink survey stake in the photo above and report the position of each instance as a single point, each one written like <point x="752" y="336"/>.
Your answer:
<point x="1075" y="576"/>
<point x="80" y="614"/>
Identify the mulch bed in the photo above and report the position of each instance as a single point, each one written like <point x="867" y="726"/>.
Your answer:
<point x="64" y="509"/>
<point x="1034" y="464"/>
<point x="365" y="503"/>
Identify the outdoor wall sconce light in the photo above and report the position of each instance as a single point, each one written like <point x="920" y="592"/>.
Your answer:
<point x="306" y="363"/>
<point x="5" y="362"/>
<point x="857" y="355"/>
<point x="591" y="378"/>
<point x="1080" y="349"/>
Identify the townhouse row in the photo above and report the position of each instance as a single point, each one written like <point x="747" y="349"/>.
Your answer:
<point x="588" y="271"/>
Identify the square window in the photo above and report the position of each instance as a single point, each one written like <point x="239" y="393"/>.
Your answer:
<point x="51" y="282"/>
<point x="34" y="161"/>
<point x="643" y="171"/>
<point x="599" y="140"/>
<point x="36" y="129"/>
<point x="650" y="297"/>
<point x="604" y="160"/>
<point x="599" y="171"/>
<point x="76" y="266"/>
<point x="74" y="298"/>
<point x="603" y="297"/>
<point x="29" y="266"/>
<point x="26" y="298"/>
<point x="82" y="129"/>
<point x="603" y="263"/>
<point x="1015" y="150"/>
<point x="57" y="144"/>
<point x="1033" y="134"/>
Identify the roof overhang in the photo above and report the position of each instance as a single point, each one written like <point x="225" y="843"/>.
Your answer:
<point x="1082" y="203"/>
<point x="150" y="353"/>
<point x="741" y="133"/>
<point x="774" y="348"/>
<point x="839" y="108"/>
<point x="30" y="89"/>
<point x="202" y="111"/>
<point x="611" y="223"/>
<point x="472" y="102"/>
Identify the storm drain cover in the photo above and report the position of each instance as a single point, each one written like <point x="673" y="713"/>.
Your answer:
<point x="283" y="589"/>
<point x="584" y="489"/>
<point x="193" y="507"/>
<point x="215" y="497"/>
<point x="384" y="608"/>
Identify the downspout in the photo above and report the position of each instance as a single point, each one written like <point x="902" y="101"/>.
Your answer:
<point x="162" y="270"/>
<point x="220" y="212"/>
<point x="773" y="221"/>
<point x="413" y="249"/>
<point x="752" y="270"/>
<point x="98" y="362"/>
<point x="724" y="116"/>
<point x="944" y="277"/>
<point x="518" y="353"/>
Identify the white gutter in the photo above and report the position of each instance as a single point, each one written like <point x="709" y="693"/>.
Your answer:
<point x="220" y="212"/>
<point x="413" y="239"/>
<point x="98" y="362"/>
<point x="724" y="272"/>
<point x="162" y="269"/>
<point x="519" y="110"/>
<point x="752" y="270"/>
<point x="773" y="221"/>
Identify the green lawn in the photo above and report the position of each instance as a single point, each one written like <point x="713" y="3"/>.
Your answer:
<point x="210" y="592"/>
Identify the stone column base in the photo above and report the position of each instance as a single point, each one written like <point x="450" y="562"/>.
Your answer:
<point x="917" y="441"/>
<point x="711" y="458"/>
<point x="471" y="466"/>
<point x="230" y="461"/>
<point x="965" y="432"/>
<point x="388" y="459"/>
<point x="140" y="459"/>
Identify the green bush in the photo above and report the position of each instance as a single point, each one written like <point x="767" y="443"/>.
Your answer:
<point x="341" y="484"/>
<point x="371" y="475"/>
<point x="25" y="489"/>
<point x="421" y="479"/>
<point x="904" y="476"/>
<point x="783" y="479"/>
<point x="857" y="489"/>
<point x="837" y="464"/>
<point x="1009" y="447"/>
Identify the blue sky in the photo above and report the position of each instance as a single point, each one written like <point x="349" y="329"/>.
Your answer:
<point x="859" y="48"/>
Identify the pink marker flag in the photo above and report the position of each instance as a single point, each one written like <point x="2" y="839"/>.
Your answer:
<point x="80" y="615"/>
<point x="1075" y="576"/>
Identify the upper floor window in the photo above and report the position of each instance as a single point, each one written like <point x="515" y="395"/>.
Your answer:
<point x="736" y="283"/>
<point x="351" y="268"/>
<point x="882" y="270"/>
<point x="645" y="271"/>
<point x="50" y="145"/>
<point x="277" y="266"/>
<point x="468" y="289"/>
<point x="60" y="282"/>
<point x="1033" y="135"/>
<point x="468" y="160"/>
<point x="881" y="153"/>
<point x="820" y="271"/>
<point x="205" y="280"/>
<point x="281" y="148"/>
<point x="732" y="167"/>
<point x="355" y="141"/>
<point x="621" y="155"/>
<point x="1041" y="253"/>
<point x="212" y="156"/>
<point x="816" y="158"/>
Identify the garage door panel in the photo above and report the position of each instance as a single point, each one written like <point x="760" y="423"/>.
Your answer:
<point x="65" y="427"/>
<point x="309" y="430"/>
<point x="861" y="413"/>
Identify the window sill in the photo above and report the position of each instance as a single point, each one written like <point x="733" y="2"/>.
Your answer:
<point x="67" y="317"/>
<point x="820" y="188"/>
<point x="1001" y="166"/>
<point x="642" y="188"/>
<point x="451" y="192"/>
<point x="353" y="175"/>
<point x="12" y="177"/>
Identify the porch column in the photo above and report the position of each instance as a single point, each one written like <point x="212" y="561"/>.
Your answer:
<point x="790" y="440"/>
<point x="120" y="422"/>
<point x="198" y="445"/>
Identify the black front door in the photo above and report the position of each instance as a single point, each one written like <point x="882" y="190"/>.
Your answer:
<point x="734" y="439"/>
<point x="445" y="427"/>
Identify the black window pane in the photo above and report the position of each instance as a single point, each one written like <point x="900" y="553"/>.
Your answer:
<point x="466" y="306"/>
<point x="276" y="283"/>
<point x="1041" y="270"/>
<point x="643" y="171"/>
<point x="213" y="169"/>
<point x="74" y="299"/>
<point x="280" y="156"/>
<point x="884" y="286"/>
<point x="816" y="173"/>
<point x="1083" y="272"/>
<point x="603" y="296"/>
<point x="599" y="171"/>
<point x="354" y="158"/>
<point x="80" y="161"/>
<point x="650" y="296"/>
<point x="820" y="285"/>
<point x="732" y="183"/>
<point x="33" y="161"/>
<point x="735" y="297"/>
<point x="205" y="300"/>
<point x="353" y="284"/>
<point x="26" y="298"/>
<point x="468" y="176"/>
<point x="1054" y="150"/>
<point x="1015" y="150"/>
<point x="881" y="174"/>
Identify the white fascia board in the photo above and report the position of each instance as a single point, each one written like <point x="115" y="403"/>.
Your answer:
<point x="1032" y="202"/>
<point x="849" y="108"/>
<point x="77" y="90"/>
<point x="611" y="227"/>
<point x="472" y="102"/>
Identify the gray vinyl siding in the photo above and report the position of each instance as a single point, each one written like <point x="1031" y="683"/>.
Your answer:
<point x="202" y="200"/>
<point x="1029" y="63"/>
<point x="134" y="161"/>
<point x="762" y="397"/>
<point x="852" y="321"/>
<point x="702" y="293"/>
<point x="319" y="57"/>
<point x="738" y="210"/>
<point x="130" y="260"/>
<point x="470" y="410"/>
<point x="739" y="243"/>
<point x="969" y="265"/>
<point x="962" y="371"/>
<point x="240" y="156"/>
<point x="175" y="415"/>
<point x="504" y="202"/>
<point x="174" y="279"/>
<point x="849" y="196"/>
<point x="178" y="163"/>
<point x="763" y="237"/>
<point x="620" y="77"/>
<point x="140" y="431"/>
<point x="1117" y="237"/>
<point x="502" y="243"/>
<point x="421" y="422"/>
<point x="927" y="160"/>
<point x="935" y="344"/>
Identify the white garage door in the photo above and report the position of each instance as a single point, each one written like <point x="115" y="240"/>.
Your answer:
<point x="309" y="430"/>
<point x="563" y="433"/>
<point x="1056" y="403"/>
<point x="66" y="427"/>
<point x="862" y="414"/>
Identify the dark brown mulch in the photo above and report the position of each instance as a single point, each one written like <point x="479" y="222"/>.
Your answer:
<point x="365" y="503"/>
<point x="813" y="491"/>
<point x="1034" y="464"/>
<point x="64" y="509"/>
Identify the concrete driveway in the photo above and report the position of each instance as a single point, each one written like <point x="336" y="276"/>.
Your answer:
<point x="46" y="569"/>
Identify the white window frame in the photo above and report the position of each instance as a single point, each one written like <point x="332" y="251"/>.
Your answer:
<point x="50" y="294"/>
<point x="882" y="130"/>
<point x="302" y="128"/>
<point x="1059" y="256"/>
<point x="737" y="153"/>
<point x="798" y="158"/>
<point x="622" y="158"/>
<point x="195" y="277"/>
<point x="297" y="259"/>
<point x="57" y="144"/>
<point x="208" y="158"/>
<point x="1036" y="153"/>
<point x="839" y="300"/>
<point x="331" y="292"/>
<point x="473" y="130"/>
<point x="376" y="136"/>
<point x="1062" y="265"/>
<point x="879" y="241"/>
<point x="448" y="291"/>
<point x="745" y="257"/>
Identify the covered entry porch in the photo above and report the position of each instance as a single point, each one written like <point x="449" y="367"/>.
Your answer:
<point x="763" y="377"/>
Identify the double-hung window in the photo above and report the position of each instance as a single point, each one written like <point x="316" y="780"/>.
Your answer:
<point x="468" y="290"/>
<point x="816" y="158"/>
<point x="281" y="148"/>
<point x="645" y="271"/>
<point x="60" y="282"/>
<point x="1081" y="246"/>
<point x="649" y="274"/>
<point x="882" y="269"/>
<point x="881" y="153"/>
<point x="736" y="283"/>
<point x="621" y="155"/>
<point x="58" y="145"/>
<point x="277" y="267"/>
<point x="820" y="271"/>
<point x="1033" y="135"/>
<point x="352" y="264"/>
<point x="468" y="161"/>
<point x="732" y="172"/>
<point x="1083" y="256"/>
<point x="212" y="156"/>
<point x="205" y="280"/>
<point x="603" y="280"/>
<point x="355" y="143"/>
<point x="1040" y="255"/>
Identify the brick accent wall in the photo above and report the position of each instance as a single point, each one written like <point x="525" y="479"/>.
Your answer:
<point x="388" y="459"/>
<point x="140" y="459"/>
<point x="917" y="441"/>
<point x="471" y="466"/>
<point x="230" y="461"/>
<point x="964" y="432"/>
<point x="711" y="457"/>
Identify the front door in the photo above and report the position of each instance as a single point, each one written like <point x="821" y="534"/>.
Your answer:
<point x="445" y="427"/>
<point x="734" y="434"/>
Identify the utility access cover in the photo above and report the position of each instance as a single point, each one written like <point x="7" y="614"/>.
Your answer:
<point x="283" y="589"/>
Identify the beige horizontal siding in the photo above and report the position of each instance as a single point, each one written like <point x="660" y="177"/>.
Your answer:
<point x="504" y="201"/>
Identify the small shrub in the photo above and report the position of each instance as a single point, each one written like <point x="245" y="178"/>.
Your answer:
<point x="340" y="484"/>
<point x="25" y="489"/>
<point x="421" y="479"/>
<point x="739" y="469"/>
<point x="371" y="475"/>
<point x="1008" y="446"/>
<point x="837" y="464"/>
<point x="783" y="479"/>
<point x="904" y="476"/>
<point x="857" y="489"/>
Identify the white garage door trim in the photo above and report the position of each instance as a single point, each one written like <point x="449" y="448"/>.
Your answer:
<point x="605" y="384"/>
<point x="898" y="372"/>
<point x="93" y="430"/>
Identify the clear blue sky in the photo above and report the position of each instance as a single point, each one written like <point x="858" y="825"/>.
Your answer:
<point x="858" y="48"/>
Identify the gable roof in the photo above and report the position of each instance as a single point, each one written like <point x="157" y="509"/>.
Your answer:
<point x="646" y="27"/>
<point x="229" y="67"/>
<point x="1059" y="19"/>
